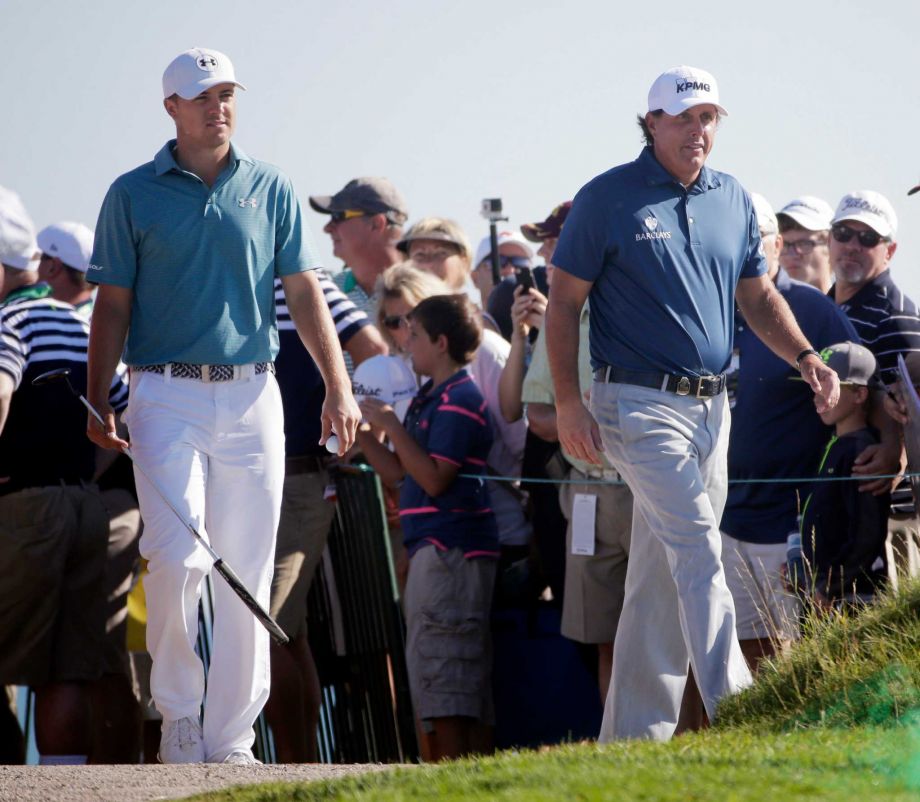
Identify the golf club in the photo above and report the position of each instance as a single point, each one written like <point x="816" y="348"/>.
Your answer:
<point x="235" y="583"/>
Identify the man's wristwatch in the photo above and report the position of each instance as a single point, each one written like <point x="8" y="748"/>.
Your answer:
<point x="806" y="352"/>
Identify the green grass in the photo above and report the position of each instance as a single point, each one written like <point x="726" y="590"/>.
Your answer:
<point x="866" y="764"/>
<point x="847" y="671"/>
<point x="838" y="718"/>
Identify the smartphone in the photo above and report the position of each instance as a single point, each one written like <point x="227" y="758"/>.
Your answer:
<point x="524" y="278"/>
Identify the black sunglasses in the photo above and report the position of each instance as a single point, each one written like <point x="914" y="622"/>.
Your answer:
<point x="868" y="239"/>
<point x="393" y="322"/>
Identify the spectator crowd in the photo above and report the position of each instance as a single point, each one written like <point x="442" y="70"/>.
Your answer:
<point x="489" y="508"/>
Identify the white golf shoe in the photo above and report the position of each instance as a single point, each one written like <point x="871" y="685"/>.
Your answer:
<point x="181" y="741"/>
<point x="241" y="757"/>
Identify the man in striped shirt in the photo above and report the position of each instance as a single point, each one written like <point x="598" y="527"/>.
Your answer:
<point x="862" y="244"/>
<point x="53" y="524"/>
<point x="292" y="710"/>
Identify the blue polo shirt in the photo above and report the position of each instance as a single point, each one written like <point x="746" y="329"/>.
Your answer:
<point x="201" y="260"/>
<point x="664" y="262"/>
<point x="451" y="422"/>
<point x="776" y="432"/>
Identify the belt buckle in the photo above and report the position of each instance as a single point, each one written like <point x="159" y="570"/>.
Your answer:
<point x="699" y="387"/>
<point x="683" y="386"/>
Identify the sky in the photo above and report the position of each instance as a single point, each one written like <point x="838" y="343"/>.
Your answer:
<point x="458" y="101"/>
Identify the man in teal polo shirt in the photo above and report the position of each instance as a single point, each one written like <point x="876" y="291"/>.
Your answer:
<point x="187" y="248"/>
<point x="662" y="246"/>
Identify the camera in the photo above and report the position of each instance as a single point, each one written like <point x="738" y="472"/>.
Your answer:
<point x="491" y="209"/>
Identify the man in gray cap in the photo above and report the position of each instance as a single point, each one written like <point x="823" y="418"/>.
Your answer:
<point x="365" y="223"/>
<point x="18" y="251"/>
<point x="804" y="224"/>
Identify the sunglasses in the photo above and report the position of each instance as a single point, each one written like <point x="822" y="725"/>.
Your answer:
<point x="393" y="322"/>
<point x="868" y="239"/>
<point x="516" y="261"/>
<point x="348" y="214"/>
<point x="803" y="247"/>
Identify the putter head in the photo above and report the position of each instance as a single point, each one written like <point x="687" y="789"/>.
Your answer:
<point x="51" y="375"/>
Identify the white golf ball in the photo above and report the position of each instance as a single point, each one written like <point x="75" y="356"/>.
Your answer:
<point x="332" y="444"/>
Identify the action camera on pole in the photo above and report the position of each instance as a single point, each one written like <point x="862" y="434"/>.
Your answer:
<point x="491" y="209"/>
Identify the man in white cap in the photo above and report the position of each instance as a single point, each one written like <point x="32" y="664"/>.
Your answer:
<point x="804" y="224"/>
<point x="66" y="249"/>
<point x="187" y="248"/>
<point x="862" y="246"/>
<point x="663" y="246"/>
<point x="18" y="251"/>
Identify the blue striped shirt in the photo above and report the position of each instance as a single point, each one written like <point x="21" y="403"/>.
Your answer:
<point x="44" y="440"/>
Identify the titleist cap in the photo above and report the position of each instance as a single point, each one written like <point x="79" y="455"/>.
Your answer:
<point x="869" y="207"/>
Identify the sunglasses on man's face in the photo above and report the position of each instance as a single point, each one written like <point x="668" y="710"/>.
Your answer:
<point x="393" y="322"/>
<point x="348" y="214"/>
<point x="868" y="239"/>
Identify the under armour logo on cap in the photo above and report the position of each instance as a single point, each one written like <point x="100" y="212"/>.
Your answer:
<point x="197" y="70"/>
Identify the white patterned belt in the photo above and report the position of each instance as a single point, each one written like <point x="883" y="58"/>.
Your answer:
<point x="207" y="373"/>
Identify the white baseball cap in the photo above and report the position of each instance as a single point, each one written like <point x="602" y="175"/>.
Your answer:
<point x="18" y="248"/>
<point x="192" y="72"/>
<point x="387" y="378"/>
<point x="72" y="243"/>
<point x="869" y="207"/>
<point x="809" y="212"/>
<point x="681" y="88"/>
<point x="766" y="219"/>
<point x="504" y="238"/>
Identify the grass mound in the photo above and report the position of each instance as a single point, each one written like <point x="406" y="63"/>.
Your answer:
<point x="848" y="670"/>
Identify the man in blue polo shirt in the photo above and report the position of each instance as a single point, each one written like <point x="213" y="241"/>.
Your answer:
<point x="775" y="434"/>
<point x="187" y="249"/>
<point x="663" y="245"/>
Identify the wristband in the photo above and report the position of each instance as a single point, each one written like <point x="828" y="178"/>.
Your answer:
<point x="806" y="352"/>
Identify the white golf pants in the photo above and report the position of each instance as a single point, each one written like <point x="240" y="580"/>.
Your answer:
<point x="217" y="451"/>
<point x="678" y="610"/>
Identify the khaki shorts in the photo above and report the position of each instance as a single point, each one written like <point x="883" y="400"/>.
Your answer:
<point x="595" y="584"/>
<point x="52" y="594"/>
<point x="902" y="548"/>
<point x="302" y="534"/>
<point x="449" y="644"/>
<point x="121" y="561"/>
<point x="763" y="607"/>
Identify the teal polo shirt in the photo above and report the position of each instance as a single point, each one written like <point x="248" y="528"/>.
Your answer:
<point x="664" y="262"/>
<point x="201" y="260"/>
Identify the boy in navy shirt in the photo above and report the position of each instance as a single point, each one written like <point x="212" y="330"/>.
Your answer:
<point x="843" y="529"/>
<point x="448" y="526"/>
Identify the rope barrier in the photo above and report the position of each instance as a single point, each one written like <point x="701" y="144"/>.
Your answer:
<point x="596" y="481"/>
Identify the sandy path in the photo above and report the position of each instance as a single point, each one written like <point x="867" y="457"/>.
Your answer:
<point x="148" y="782"/>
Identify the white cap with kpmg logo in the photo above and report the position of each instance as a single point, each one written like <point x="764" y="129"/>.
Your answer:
<point x="681" y="88"/>
<point x="192" y="72"/>
<point x="869" y="207"/>
<point x="72" y="243"/>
